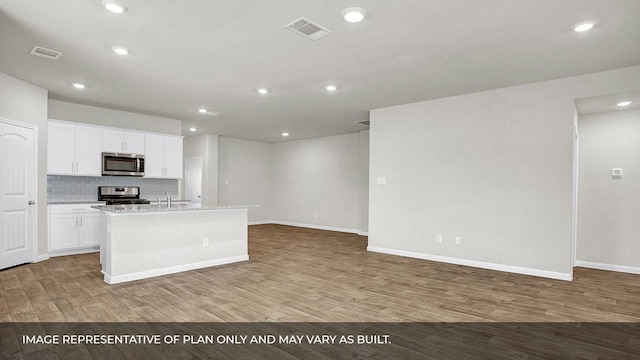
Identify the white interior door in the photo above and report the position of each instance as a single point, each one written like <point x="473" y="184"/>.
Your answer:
<point x="17" y="194"/>
<point x="193" y="180"/>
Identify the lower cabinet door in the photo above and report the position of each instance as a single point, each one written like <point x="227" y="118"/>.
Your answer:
<point x="63" y="232"/>
<point x="89" y="230"/>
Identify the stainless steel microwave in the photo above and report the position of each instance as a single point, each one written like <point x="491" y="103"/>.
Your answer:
<point x="119" y="164"/>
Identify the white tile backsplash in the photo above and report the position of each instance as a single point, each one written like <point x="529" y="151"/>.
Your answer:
<point x="85" y="188"/>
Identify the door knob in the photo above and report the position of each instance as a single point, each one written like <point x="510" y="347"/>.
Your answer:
<point x="31" y="202"/>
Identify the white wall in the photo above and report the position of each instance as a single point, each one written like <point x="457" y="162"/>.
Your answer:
<point x="315" y="182"/>
<point x="609" y="208"/>
<point x="26" y="103"/>
<point x="494" y="168"/>
<point x="245" y="176"/>
<point x="363" y="183"/>
<point x="206" y="146"/>
<point x="62" y="110"/>
<point x="320" y="182"/>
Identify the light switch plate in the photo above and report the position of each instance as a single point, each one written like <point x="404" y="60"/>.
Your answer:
<point x="381" y="180"/>
<point x="616" y="172"/>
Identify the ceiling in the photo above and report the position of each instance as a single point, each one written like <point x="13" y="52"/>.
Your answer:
<point x="215" y="54"/>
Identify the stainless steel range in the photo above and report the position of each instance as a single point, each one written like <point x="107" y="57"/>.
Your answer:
<point x="117" y="195"/>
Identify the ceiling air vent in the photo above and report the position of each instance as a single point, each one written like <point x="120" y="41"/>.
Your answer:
<point x="363" y="122"/>
<point x="308" y="29"/>
<point x="45" y="53"/>
<point x="212" y="113"/>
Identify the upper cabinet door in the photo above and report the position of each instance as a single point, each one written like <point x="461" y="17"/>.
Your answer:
<point x="154" y="156"/>
<point x="163" y="157"/>
<point x="88" y="151"/>
<point x="133" y="143"/>
<point x="173" y="157"/>
<point x="112" y="141"/>
<point x="73" y="150"/>
<point x="122" y="141"/>
<point x="60" y="149"/>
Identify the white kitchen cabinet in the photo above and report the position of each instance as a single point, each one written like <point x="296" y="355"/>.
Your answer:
<point x="163" y="157"/>
<point x="89" y="230"/>
<point x="73" y="149"/>
<point x="120" y="141"/>
<point x="73" y="228"/>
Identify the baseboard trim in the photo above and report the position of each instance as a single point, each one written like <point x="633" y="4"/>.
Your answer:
<point x="319" y="227"/>
<point x="74" y="251"/>
<point x="40" y="258"/>
<point x="260" y="222"/>
<point x="172" y="269"/>
<point x="309" y="226"/>
<point x="477" y="264"/>
<point x="608" y="267"/>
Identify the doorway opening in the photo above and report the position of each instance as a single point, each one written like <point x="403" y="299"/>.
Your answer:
<point x="606" y="210"/>
<point x="193" y="180"/>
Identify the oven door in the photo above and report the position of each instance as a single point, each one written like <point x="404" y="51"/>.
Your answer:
<point x="118" y="164"/>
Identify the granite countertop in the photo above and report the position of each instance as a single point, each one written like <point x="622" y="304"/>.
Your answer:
<point x="163" y="208"/>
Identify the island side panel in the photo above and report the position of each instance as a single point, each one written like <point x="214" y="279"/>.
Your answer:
<point x="145" y="245"/>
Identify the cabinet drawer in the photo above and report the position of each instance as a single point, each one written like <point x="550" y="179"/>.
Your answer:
<point x="73" y="208"/>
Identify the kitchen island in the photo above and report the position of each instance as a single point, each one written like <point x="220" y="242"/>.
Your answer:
<point x="142" y="241"/>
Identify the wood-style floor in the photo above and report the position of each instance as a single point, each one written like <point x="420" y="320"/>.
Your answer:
<point x="298" y="274"/>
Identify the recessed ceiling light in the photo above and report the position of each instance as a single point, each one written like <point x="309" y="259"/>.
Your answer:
<point x="114" y="7"/>
<point x="285" y="134"/>
<point x="354" y="14"/>
<point x="78" y="85"/>
<point x="263" y="91"/>
<point x="192" y="129"/>
<point x="331" y="87"/>
<point x="120" y="50"/>
<point x="624" y="103"/>
<point x="202" y="111"/>
<point x="583" y="26"/>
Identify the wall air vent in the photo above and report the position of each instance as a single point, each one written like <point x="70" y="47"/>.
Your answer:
<point x="45" y="53"/>
<point x="363" y="122"/>
<point x="308" y="29"/>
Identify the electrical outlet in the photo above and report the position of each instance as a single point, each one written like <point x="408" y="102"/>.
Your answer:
<point x="205" y="242"/>
<point x="458" y="240"/>
<point x="439" y="238"/>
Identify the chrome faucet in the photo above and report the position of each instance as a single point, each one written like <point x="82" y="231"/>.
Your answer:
<point x="168" y="199"/>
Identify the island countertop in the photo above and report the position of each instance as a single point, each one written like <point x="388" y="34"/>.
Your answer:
<point x="131" y="209"/>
